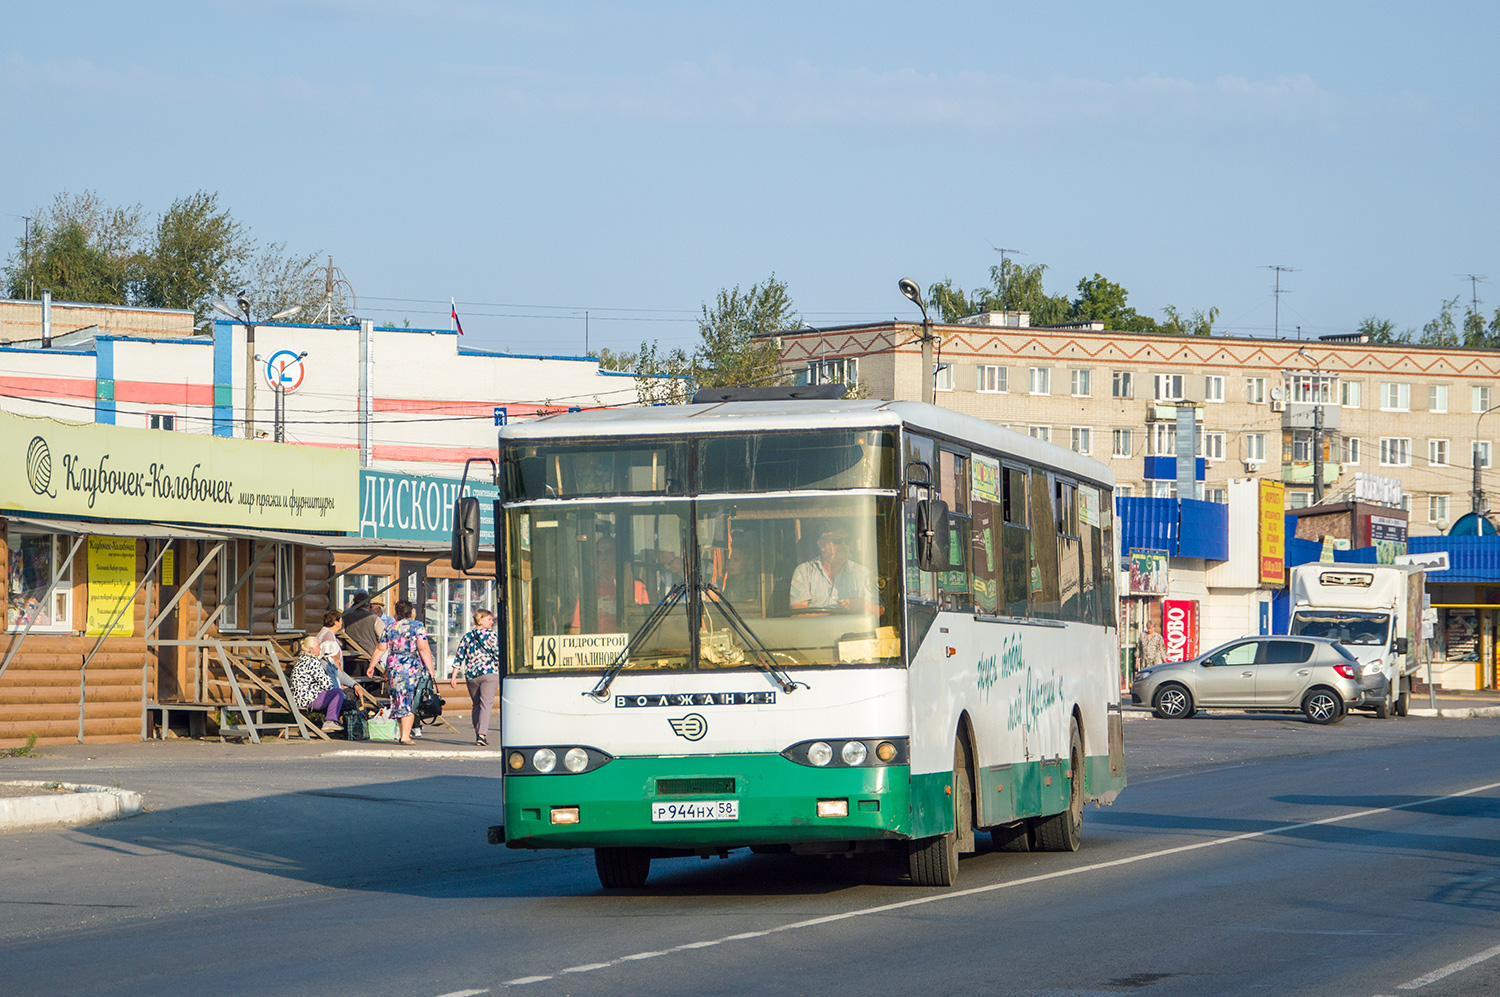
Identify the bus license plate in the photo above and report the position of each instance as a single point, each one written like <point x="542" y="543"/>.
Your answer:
<point x="696" y="810"/>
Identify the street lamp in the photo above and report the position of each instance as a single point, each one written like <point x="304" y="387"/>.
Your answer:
<point x="1477" y="498"/>
<point x="280" y="436"/>
<point x="913" y="294"/>
<point x="241" y="313"/>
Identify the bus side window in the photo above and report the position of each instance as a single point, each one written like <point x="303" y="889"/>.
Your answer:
<point x="985" y="491"/>
<point x="1044" y="594"/>
<point x="1088" y="527"/>
<point x="953" y="584"/>
<point x="1107" y="558"/>
<point x="1069" y="571"/>
<point x="1015" y="542"/>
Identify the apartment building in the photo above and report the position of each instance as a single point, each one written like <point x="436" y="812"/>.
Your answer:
<point x="1403" y="411"/>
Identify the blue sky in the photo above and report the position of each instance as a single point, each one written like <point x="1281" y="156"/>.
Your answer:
<point x="538" y="160"/>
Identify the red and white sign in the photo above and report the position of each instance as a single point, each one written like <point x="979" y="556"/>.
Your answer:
<point x="1179" y="628"/>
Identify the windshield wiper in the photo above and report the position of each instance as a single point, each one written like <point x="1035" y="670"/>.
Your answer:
<point x="762" y="655"/>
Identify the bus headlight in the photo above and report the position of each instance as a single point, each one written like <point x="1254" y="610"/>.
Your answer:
<point x="576" y="760"/>
<point x="819" y="753"/>
<point x="545" y="760"/>
<point x="854" y="753"/>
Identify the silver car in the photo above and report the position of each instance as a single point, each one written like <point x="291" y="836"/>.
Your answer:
<point x="1318" y="676"/>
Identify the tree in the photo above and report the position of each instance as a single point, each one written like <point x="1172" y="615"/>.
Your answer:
<point x="1101" y="299"/>
<point x="663" y="378"/>
<point x="1018" y="288"/>
<point x="277" y="282"/>
<point x="1442" y="330"/>
<point x="737" y="337"/>
<point x="78" y="249"/>
<point x="952" y="303"/>
<point x="198" y="252"/>
<point x="1197" y="324"/>
<point x="1382" y="330"/>
<point x="610" y="360"/>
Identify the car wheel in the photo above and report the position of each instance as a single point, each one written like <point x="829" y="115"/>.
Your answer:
<point x="622" y="868"/>
<point x="1403" y="702"/>
<point x="1323" y="706"/>
<point x="1386" y="707"/>
<point x="1064" y="832"/>
<point x="1173" y="702"/>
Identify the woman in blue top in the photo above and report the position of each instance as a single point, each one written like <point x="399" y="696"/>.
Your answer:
<point x="478" y="658"/>
<point x="408" y="657"/>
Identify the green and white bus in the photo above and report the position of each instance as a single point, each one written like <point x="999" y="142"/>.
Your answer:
<point x="815" y="626"/>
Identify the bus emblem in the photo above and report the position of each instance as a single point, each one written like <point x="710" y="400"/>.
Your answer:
<point x="692" y="726"/>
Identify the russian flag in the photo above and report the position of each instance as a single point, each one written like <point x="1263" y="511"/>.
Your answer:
<point x="456" y="323"/>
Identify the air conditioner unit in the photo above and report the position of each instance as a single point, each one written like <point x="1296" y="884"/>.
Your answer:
<point x="1253" y="465"/>
<point x="1277" y="405"/>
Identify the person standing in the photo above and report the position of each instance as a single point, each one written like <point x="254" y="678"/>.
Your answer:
<point x="408" y="657"/>
<point x="365" y="631"/>
<point x="1150" y="649"/>
<point x="478" y="657"/>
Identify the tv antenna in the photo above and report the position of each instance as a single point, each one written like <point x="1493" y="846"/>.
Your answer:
<point x="1474" y="279"/>
<point x="1001" y="271"/>
<point x="1279" y="271"/>
<point x="335" y="286"/>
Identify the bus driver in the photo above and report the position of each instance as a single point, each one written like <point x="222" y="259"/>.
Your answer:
<point x="831" y="582"/>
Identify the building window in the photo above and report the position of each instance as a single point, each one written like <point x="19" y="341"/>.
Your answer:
<point x="1395" y="451"/>
<point x="1123" y="442"/>
<point x="1298" y="500"/>
<point x="161" y="420"/>
<point x="1395" y="396"/>
<point x="1124" y="491"/>
<point x="1124" y="385"/>
<point x="229" y="573"/>
<point x="451" y="604"/>
<point x="1213" y="446"/>
<point x="1437" y="453"/>
<point x="836" y="371"/>
<point x="1163" y="489"/>
<point x="1437" y="508"/>
<point x="1169" y="388"/>
<point x="1480" y="453"/>
<point x="1481" y="398"/>
<point x="36" y="561"/>
<point x="1082" y="383"/>
<point x="993" y="379"/>
<point x="1163" y="439"/>
<point x="1302" y="448"/>
<point x="1213" y="388"/>
<point x="1351" y="450"/>
<point x="286" y="586"/>
<point x="1311" y="389"/>
<point x="349" y="584"/>
<point x="944" y="380"/>
<point x="1043" y="433"/>
<point x="1349" y="393"/>
<point x="1082" y="440"/>
<point x="1255" y="446"/>
<point x="1406" y="501"/>
<point x="1437" y="398"/>
<point x="1215" y="495"/>
<point x="1255" y="390"/>
<point x="1041" y="380"/>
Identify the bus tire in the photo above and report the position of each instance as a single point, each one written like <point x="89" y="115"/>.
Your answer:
<point x="1064" y="832"/>
<point x="1012" y="837"/>
<point x="622" y="868"/>
<point x="934" y="861"/>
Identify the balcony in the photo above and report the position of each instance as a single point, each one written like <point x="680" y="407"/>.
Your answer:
<point x="1301" y="472"/>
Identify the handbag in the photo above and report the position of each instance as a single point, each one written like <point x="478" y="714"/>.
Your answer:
<point x="426" y="704"/>
<point x="355" y="726"/>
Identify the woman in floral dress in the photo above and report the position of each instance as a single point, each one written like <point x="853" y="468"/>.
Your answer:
<point x="478" y="659"/>
<point x="408" y="657"/>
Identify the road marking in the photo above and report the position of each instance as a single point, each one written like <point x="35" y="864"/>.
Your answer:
<point x="464" y="993"/>
<point x="1450" y="969"/>
<point x="1044" y="877"/>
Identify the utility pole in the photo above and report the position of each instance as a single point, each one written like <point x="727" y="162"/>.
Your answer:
<point x="913" y="294"/>
<point x="1279" y="271"/>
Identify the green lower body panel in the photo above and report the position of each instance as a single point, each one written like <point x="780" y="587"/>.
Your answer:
<point x="777" y="802"/>
<point x="1035" y="789"/>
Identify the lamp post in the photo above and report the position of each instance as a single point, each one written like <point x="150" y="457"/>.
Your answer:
<point x="1477" y="497"/>
<point x="241" y="313"/>
<point x="913" y="294"/>
<point x="280" y="436"/>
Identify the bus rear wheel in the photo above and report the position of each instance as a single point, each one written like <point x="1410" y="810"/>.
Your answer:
<point x="622" y="868"/>
<point x="1064" y="832"/>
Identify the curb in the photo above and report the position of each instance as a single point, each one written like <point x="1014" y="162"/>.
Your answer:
<point x="85" y="805"/>
<point x="491" y="755"/>
<point x="1457" y="713"/>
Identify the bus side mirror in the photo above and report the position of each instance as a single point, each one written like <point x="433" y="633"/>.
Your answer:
<point x="1400" y="645"/>
<point x="933" y="553"/>
<point x="465" y="553"/>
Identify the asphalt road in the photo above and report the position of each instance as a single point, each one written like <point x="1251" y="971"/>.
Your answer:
<point x="1248" y="855"/>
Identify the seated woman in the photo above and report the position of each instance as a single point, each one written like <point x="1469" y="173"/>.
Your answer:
<point x="312" y="689"/>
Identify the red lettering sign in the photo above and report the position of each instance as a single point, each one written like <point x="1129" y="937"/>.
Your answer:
<point x="1179" y="628"/>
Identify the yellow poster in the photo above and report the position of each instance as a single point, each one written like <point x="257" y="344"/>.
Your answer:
<point x="1272" y="533"/>
<point x="111" y="581"/>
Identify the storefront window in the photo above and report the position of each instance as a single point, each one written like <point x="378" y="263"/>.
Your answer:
<point x="449" y="605"/>
<point x="36" y="560"/>
<point x="286" y="587"/>
<point x="350" y="584"/>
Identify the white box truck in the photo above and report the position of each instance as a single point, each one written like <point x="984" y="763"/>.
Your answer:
<point x="1375" y="610"/>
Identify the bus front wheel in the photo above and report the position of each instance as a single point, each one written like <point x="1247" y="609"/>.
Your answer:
<point x="934" y="861"/>
<point x="622" y="868"/>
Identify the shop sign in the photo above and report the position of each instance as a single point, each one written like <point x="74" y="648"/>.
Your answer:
<point x="1179" y="627"/>
<point x="1148" y="572"/>
<point x="110" y="472"/>
<point x="111" y="584"/>
<point x="413" y="507"/>
<point x="1387" y="528"/>
<point x="1272" y="533"/>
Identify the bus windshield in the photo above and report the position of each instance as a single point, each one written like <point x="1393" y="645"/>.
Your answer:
<point x="810" y="578"/>
<point x="1343" y="626"/>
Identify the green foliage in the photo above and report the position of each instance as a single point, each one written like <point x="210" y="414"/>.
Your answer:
<point x="951" y="303"/>
<point x="663" y="378"/>
<point x="83" y="250"/>
<point x="610" y="360"/>
<point x="1018" y="288"/>
<point x="31" y="740"/>
<point x="1102" y="300"/>
<point x="1442" y="330"/>
<point x="1197" y="324"/>
<point x="1382" y="330"/>
<point x="737" y="344"/>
